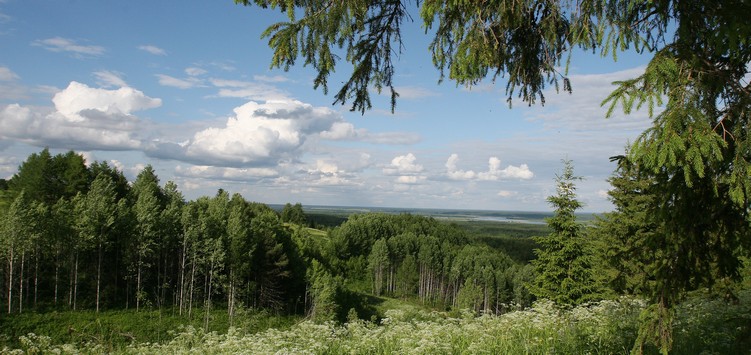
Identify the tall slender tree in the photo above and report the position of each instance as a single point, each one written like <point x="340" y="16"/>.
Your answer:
<point x="172" y="238"/>
<point x="64" y="239"/>
<point x="564" y="270"/>
<point x="239" y="249"/>
<point x="16" y="238"/>
<point x="378" y="263"/>
<point x="96" y="214"/>
<point x="148" y="212"/>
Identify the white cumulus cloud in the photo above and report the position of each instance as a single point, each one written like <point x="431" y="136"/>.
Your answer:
<point x="82" y="118"/>
<point x="340" y="131"/>
<point x="494" y="171"/>
<point x="257" y="134"/>
<point x="78" y="99"/>
<point x="404" y="165"/>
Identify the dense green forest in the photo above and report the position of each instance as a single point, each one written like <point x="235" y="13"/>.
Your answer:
<point x="79" y="237"/>
<point x="82" y="244"/>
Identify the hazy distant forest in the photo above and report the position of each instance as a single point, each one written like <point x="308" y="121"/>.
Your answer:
<point x="78" y="238"/>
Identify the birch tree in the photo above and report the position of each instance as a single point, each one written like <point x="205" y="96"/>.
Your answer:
<point x="96" y="213"/>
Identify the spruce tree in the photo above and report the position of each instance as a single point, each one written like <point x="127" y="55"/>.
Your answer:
<point x="564" y="273"/>
<point x="621" y="235"/>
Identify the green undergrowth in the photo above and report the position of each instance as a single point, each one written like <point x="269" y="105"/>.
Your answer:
<point x="703" y="325"/>
<point x="112" y="330"/>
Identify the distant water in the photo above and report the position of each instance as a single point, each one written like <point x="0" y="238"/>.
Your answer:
<point x="524" y="217"/>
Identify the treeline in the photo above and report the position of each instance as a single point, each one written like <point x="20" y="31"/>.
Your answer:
<point x="413" y="256"/>
<point x="82" y="237"/>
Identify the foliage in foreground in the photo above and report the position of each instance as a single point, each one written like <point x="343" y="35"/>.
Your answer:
<point x="606" y="327"/>
<point x="110" y="330"/>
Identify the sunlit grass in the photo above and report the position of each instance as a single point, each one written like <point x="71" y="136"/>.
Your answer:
<point x="607" y="327"/>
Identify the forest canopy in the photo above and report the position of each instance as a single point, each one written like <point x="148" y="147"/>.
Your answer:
<point x="104" y="243"/>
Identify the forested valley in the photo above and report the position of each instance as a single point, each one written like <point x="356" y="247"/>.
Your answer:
<point x="89" y="257"/>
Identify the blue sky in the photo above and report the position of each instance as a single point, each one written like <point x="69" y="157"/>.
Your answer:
<point x="186" y="87"/>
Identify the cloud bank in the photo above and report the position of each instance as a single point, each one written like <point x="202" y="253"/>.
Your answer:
<point x="82" y="118"/>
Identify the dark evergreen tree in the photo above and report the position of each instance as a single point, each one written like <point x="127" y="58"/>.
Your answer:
<point x="70" y="175"/>
<point x="563" y="264"/>
<point x="620" y="235"/>
<point x="270" y="260"/>
<point x="34" y="177"/>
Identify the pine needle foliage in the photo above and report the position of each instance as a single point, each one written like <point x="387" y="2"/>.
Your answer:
<point x="563" y="264"/>
<point x="696" y="154"/>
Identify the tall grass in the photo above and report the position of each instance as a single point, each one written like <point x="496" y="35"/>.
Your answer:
<point x="607" y="327"/>
<point x="115" y="330"/>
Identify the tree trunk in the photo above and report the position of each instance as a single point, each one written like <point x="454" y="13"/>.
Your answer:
<point x="486" y="300"/>
<point x="70" y="282"/>
<point x="192" y="283"/>
<point x="208" y="297"/>
<point x="75" y="282"/>
<point x="138" y="284"/>
<point x="20" y="284"/>
<point x="36" y="278"/>
<point x="231" y="297"/>
<point x="10" y="280"/>
<point x="98" y="274"/>
<point x="183" y="258"/>
<point x="159" y="283"/>
<point x="164" y="286"/>
<point x="57" y="273"/>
